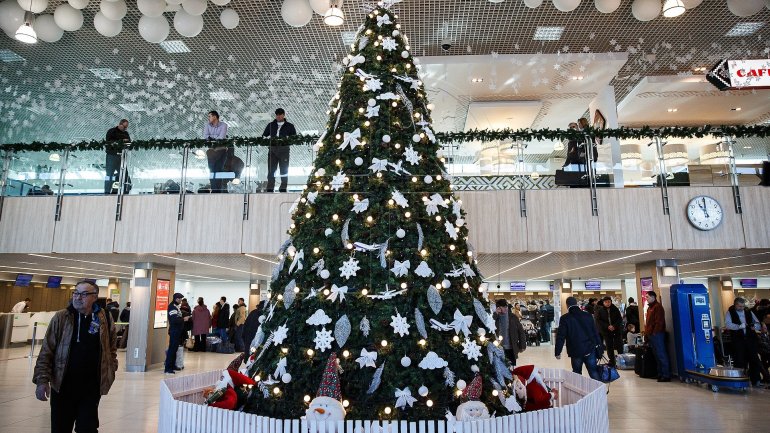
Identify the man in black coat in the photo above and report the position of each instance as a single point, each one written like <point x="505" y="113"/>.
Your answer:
<point x="278" y="156"/>
<point x="578" y="329"/>
<point x="610" y="323"/>
<point x="117" y="136"/>
<point x="632" y="313"/>
<point x="509" y="331"/>
<point x="175" y="329"/>
<point x="223" y="319"/>
<point x="252" y="325"/>
<point x="546" y="317"/>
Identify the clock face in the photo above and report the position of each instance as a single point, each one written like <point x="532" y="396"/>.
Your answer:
<point x="704" y="213"/>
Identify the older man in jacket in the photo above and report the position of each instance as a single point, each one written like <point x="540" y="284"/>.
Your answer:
<point x="77" y="362"/>
<point x="655" y="333"/>
<point x="610" y="323"/>
<point x="510" y="333"/>
<point x="578" y="330"/>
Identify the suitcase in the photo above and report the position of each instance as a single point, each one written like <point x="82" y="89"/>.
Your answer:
<point x="626" y="361"/>
<point x="645" y="365"/>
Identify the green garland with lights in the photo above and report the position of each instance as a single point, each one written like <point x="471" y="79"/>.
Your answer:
<point x="480" y="135"/>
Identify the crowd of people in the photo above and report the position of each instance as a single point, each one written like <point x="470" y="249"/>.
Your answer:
<point x="220" y="158"/>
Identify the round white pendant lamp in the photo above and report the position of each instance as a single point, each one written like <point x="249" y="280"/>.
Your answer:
<point x="68" y="18"/>
<point x="607" y="6"/>
<point x="745" y="8"/>
<point x="566" y="5"/>
<point x="154" y="29"/>
<point x="113" y="10"/>
<point x="714" y="154"/>
<point x="691" y="4"/>
<point x="46" y="28"/>
<point x="188" y="25"/>
<point x="194" y="7"/>
<point x="646" y="10"/>
<point x="532" y="4"/>
<point x="107" y="27"/>
<point x="11" y="16"/>
<point x="673" y="8"/>
<point x="78" y="4"/>
<point x="229" y="19"/>
<point x="296" y="13"/>
<point x="34" y="6"/>
<point x="151" y="8"/>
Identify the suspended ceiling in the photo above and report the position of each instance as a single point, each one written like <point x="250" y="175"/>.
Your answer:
<point x="53" y="96"/>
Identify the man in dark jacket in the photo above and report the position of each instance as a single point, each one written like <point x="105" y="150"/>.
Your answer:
<point x="118" y="136"/>
<point x="125" y="315"/>
<point x="510" y="333"/>
<point x="252" y="325"/>
<point x="278" y="156"/>
<point x="578" y="329"/>
<point x="743" y="325"/>
<point x="175" y="329"/>
<point x="610" y="323"/>
<point x="223" y="319"/>
<point x="546" y="317"/>
<point x="632" y="313"/>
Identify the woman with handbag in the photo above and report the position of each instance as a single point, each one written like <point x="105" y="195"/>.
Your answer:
<point x="201" y="318"/>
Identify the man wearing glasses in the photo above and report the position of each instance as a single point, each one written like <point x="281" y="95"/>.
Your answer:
<point x="77" y="362"/>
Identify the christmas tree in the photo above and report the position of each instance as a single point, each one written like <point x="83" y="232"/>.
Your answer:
<point x="377" y="301"/>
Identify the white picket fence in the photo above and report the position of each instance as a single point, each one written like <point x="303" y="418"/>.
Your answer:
<point x="582" y="408"/>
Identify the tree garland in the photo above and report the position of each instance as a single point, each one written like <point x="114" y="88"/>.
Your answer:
<point x="482" y="135"/>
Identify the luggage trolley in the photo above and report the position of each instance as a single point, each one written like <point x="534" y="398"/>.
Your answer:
<point x="694" y="341"/>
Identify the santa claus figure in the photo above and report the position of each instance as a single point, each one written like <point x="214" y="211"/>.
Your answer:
<point x="327" y="406"/>
<point x="539" y="395"/>
<point x="473" y="409"/>
<point x="224" y="394"/>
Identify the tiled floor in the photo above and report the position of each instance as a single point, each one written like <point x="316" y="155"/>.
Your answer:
<point x="635" y="405"/>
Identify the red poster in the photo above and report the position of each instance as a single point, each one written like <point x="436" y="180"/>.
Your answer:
<point x="161" y="303"/>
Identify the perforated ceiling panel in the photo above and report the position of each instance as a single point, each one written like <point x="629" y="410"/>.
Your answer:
<point x="264" y="63"/>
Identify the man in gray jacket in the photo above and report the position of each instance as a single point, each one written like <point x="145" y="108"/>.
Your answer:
<point x="509" y="332"/>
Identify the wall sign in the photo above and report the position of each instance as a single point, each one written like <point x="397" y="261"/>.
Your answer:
<point x="740" y="74"/>
<point x="518" y="286"/>
<point x="161" y="304"/>
<point x="593" y="285"/>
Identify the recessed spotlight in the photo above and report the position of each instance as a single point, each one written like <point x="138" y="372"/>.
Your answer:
<point x="577" y="77"/>
<point x="735" y="109"/>
<point x="548" y="33"/>
<point x="174" y="47"/>
<point x="673" y="110"/>
<point x="744" y="29"/>
<point x="477" y="80"/>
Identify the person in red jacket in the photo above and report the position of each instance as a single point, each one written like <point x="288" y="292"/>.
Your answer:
<point x="655" y="332"/>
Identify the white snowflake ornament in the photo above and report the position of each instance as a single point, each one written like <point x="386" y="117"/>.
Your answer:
<point x="399" y="324"/>
<point x="471" y="349"/>
<point x="411" y="155"/>
<point x="389" y="44"/>
<point x="338" y="181"/>
<point x="323" y="339"/>
<point x="349" y="268"/>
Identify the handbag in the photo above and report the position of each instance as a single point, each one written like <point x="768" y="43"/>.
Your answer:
<point x="189" y="343"/>
<point x="607" y="373"/>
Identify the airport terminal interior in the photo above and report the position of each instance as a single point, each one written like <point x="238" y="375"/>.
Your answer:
<point x="406" y="216"/>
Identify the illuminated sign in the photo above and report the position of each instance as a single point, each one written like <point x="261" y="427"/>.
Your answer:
<point x="740" y="74"/>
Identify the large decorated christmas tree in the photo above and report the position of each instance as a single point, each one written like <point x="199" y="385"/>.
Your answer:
<point x="377" y="304"/>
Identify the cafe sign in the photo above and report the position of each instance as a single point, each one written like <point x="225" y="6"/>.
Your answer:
<point x="740" y="74"/>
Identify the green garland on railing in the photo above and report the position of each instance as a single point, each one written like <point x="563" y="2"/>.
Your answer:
<point x="482" y="135"/>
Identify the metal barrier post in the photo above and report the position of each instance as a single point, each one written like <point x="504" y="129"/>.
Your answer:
<point x="34" y="341"/>
<point x="4" y="179"/>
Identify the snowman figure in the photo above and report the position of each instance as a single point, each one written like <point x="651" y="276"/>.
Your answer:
<point x="327" y="405"/>
<point x="473" y="409"/>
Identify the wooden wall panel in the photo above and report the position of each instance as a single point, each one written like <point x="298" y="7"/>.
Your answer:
<point x="213" y="223"/>
<point x="756" y="213"/>
<point x="494" y="221"/>
<point x="265" y="230"/>
<point x="87" y="225"/>
<point x="633" y="219"/>
<point x="148" y="224"/>
<point x="561" y="220"/>
<point x="728" y="235"/>
<point x="27" y="224"/>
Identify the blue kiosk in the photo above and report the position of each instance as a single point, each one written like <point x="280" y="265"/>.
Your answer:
<point x="694" y="341"/>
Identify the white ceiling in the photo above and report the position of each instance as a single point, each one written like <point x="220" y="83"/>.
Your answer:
<point x="696" y="100"/>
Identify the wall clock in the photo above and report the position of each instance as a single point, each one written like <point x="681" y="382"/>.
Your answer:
<point x="704" y="213"/>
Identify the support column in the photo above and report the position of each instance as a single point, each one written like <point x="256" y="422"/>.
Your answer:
<point x="663" y="273"/>
<point x="721" y="297"/>
<point x="562" y="289"/>
<point x="151" y="291"/>
<point x="606" y="104"/>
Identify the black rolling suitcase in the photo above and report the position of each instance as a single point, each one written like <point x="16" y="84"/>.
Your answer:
<point x="645" y="366"/>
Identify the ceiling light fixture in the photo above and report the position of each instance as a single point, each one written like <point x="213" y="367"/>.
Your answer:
<point x="716" y="153"/>
<point x="334" y="16"/>
<point x="673" y="8"/>
<point x="736" y="109"/>
<point x="675" y="155"/>
<point x="673" y="110"/>
<point x="477" y="80"/>
<point x="744" y="29"/>
<point x="548" y="33"/>
<point x="630" y="154"/>
<point x="174" y="47"/>
<point x="577" y="77"/>
<point x="26" y="33"/>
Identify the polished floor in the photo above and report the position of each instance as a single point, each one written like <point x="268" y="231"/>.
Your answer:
<point x="635" y="405"/>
